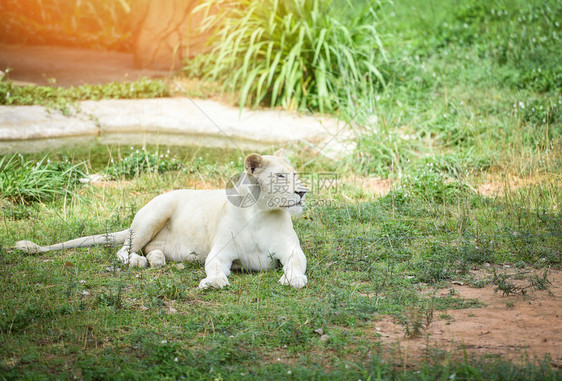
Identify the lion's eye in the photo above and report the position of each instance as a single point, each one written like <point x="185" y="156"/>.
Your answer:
<point x="281" y="175"/>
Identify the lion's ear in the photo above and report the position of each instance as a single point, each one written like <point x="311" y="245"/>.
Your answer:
<point x="252" y="162"/>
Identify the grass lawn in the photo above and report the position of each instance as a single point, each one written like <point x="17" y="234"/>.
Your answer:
<point x="467" y="137"/>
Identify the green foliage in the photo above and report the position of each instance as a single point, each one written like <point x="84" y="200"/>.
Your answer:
<point x="293" y="53"/>
<point x="474" y="82"/>
<point x="522" y="37"/>
<point x="418" y="319"/>
<point x="29" y="181"/>
<point x="60" y="97"/>
<point x="142" y="161"/>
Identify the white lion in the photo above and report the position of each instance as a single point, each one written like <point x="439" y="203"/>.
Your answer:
<point x="247" y="227"/>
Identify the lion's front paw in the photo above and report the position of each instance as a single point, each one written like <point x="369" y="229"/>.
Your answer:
<point x="296" y="281"/>
<point x="216" y="282"/>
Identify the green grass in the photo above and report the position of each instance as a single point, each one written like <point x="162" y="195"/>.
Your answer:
<point x="24" y="181"/>
<point x="461" y="107"/>
<point x="64" y="97"/>
<point x="481" y="91"/>
<point x="80" y="312"/>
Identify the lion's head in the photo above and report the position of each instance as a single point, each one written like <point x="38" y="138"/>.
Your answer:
<point x="274" y="183"/>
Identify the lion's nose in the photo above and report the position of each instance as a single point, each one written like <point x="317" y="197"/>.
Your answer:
<point x="301" y="193"/>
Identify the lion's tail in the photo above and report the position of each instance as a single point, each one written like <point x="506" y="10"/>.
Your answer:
<point x="99" y="239"/>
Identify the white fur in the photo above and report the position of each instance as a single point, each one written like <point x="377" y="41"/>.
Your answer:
<point x="189" y="225"/>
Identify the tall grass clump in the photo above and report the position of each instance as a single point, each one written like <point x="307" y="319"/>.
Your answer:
<point x="293" y="53"/>
<point x="28" y="181"/>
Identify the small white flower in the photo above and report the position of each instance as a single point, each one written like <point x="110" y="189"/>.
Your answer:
<point x="164" y="341"/>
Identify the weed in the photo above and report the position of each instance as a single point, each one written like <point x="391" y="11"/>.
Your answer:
<point x="110" y="298"/>
<point x="418" y="319"/>
<point x="507" y="287"/>
<point x="504" y="285"/>
<point x="540" y="282"/>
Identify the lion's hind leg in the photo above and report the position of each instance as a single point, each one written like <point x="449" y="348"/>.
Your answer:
<point x="156" y="258"/>
<point x="148" y="222"/>
<point x="133" y="259"/>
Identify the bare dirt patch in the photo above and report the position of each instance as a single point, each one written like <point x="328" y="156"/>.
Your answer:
<point x="69" y="66"/>
<point x="496" y="186"/>
<point x="511" y="327"/>
<point x="376" y="186"/>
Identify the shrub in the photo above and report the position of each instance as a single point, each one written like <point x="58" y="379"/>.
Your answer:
<point x="293" y="53"/>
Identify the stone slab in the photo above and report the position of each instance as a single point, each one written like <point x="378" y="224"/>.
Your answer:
<point x="37" y="122"/>
<point x="178" y="118"/>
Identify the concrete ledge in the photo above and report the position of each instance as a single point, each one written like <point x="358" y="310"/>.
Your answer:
<point x="207" y="117"/>
<point x="36" y="122"/>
